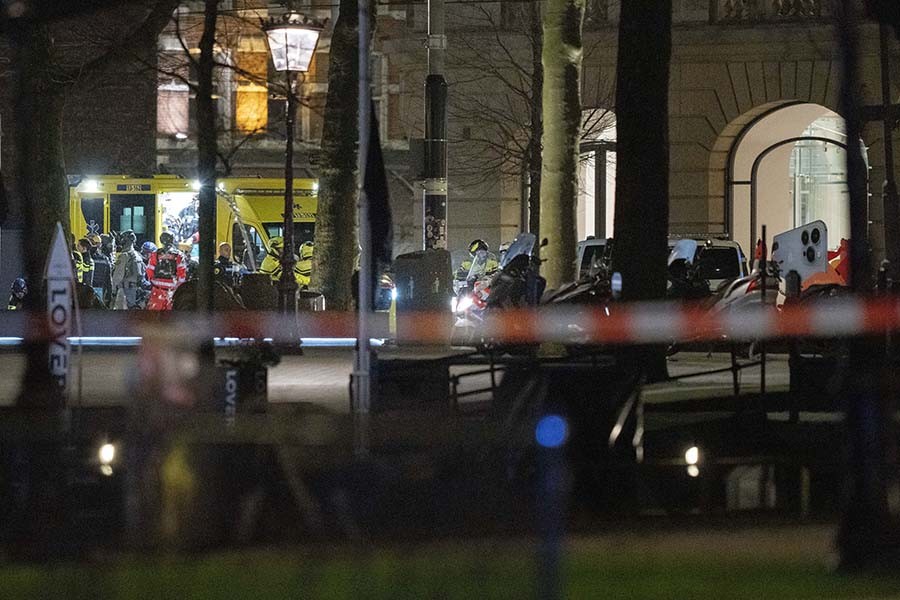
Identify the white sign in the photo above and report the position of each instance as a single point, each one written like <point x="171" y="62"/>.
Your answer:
<point x="60" y="304"/>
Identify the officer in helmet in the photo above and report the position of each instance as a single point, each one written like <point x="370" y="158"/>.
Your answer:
<point x="102" y="271"/>
<point x="128" y="272"/>
<point x="271" y="264"/>
<point x="17" y="293"/>
<point x="148" y="248"/>
<point x="304" y="265"/>
<point x="477" y="247"/>
<point x="84" y="263"/>
<point x="503" y="249"/>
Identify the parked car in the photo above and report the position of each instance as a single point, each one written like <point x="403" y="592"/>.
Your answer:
<point x="718" y="260"/>
<point x="587" y="252"/>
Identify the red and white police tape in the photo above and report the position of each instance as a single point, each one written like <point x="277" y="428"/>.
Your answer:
<point x="616" y="323"/>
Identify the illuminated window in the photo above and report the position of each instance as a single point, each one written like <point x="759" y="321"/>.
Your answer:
<point x="252" y="95"/>
<point x="252" y="111"/>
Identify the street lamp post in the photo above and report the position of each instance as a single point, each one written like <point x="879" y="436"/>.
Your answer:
<point x="292" y="42"/>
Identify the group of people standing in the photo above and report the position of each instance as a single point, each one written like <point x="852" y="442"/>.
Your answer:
<point x="271" y="264"/>
<point x="125" y="278"/>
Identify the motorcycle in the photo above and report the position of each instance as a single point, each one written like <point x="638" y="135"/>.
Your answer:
<point x="596" y="286"/>
<point x="469" y="302"/>
<point x="593" y="287"/>
<point x="517" y="283"/>
<point x="683" y="270"/>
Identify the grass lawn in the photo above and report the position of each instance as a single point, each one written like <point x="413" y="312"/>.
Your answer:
<point x="790" y="562"/>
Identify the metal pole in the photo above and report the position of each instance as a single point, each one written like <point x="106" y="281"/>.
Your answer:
<point x="600" y="193"/>
<point x="890" y="208"/>
<point x="763" y="267"/>
<point x="287" y="285"/>
<point x="361" y="388"/>
<point x="434" y="209"/>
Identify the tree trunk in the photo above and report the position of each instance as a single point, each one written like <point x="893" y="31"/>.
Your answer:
<point x="336" y="248"/>
<point x="642" y="155"/>
<point x="642" y="148"/>
<point x="43" y="189"/>
<point x="868" y="536"/>
<point x="562" y="54"/>
<point x="206" y="156"/>
<point x="42" y="184"/>
<point x="537" y="123"/>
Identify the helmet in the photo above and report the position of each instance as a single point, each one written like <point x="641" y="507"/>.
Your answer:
<point x="94" y="239"/>
<point x="276" y="243"/>
<point x="148" y="248"/>
<point x="306" y="250"/>
<point x="107" y="243"/>
<point x="478" y="246"/>
<point x="19" y="288"/>
<point x="126" y="240"/>
<point x="166" y="238"/>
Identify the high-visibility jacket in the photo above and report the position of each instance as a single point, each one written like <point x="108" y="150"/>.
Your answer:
<point x="271" y="266"/>
<point x="84" y="267"/>
<point x="489" y="267"/>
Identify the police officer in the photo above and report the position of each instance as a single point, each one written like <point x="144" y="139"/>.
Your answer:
<point x="108" y="247"/>
<point x="475" y="247"/>
<point x="102" y="283"/>
<point x="166" y="270"/>
<point x="224" y="269"/>
<point x="503" y="249"/>
<point x="17" y="293"/>
<point x="304" y="265"/>
<point x="271" y="264"/>
<point x="128" y="272"/>
<point x="84" y="263"/>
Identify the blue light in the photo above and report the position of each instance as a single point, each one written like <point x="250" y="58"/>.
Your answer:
<point x="551" y="431"/>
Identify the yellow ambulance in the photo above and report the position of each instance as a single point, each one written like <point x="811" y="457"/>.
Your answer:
<point x="249" y="210"/>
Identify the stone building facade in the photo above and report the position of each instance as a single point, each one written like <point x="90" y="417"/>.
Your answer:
<point x="745" y="76"/>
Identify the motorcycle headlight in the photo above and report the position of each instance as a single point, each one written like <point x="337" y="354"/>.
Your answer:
<point x="463" y="304"/>
<point x="106" y="454"/>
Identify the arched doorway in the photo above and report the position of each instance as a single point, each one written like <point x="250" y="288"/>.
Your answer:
<point x="787" y="168"/>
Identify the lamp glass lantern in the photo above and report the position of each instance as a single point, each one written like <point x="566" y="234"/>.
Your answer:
<point x="292" y="42"/>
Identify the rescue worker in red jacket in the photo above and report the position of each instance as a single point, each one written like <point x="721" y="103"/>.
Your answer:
<point x="166" y="270"/>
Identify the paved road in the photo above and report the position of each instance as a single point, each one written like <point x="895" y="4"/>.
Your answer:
<point x="719" y="384"/>
<point x="321" y="376"/>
